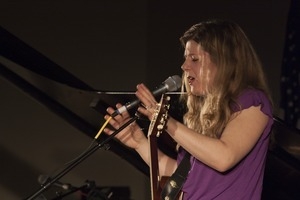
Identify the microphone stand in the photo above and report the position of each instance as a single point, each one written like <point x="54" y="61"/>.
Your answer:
<point x="80" y="159"/>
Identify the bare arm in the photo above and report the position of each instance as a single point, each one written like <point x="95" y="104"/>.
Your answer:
<point x="237" y="140"/>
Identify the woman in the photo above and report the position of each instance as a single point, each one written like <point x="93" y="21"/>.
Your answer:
<point x="227" y="124"/>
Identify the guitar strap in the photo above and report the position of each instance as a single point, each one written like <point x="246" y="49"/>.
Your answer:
<point x="175" y="182"/>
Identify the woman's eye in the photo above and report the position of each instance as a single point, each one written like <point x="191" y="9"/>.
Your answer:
<point x="194" y="58"/>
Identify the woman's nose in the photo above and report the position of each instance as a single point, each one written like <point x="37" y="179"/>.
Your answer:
<point x="184" y="67"/>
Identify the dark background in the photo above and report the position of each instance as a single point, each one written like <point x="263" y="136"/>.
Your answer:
<point x="111" y="46"/>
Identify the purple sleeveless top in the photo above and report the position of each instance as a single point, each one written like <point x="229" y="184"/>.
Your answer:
<point x="245" y="180"/>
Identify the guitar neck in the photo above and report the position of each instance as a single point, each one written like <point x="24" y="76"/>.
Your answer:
<point x="155" y="129"/>
<point x="154" y="169"/>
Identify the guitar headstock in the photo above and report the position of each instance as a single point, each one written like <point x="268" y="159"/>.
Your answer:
<point x="160" y="116"/>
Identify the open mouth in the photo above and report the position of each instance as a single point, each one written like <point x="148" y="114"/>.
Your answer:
<point x="190" y="79"/>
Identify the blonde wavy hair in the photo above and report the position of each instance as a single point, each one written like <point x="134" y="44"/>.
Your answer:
<point x="238" y="68"/>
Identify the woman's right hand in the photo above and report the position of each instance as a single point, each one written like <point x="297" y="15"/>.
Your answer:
<point x="132" y="136"/>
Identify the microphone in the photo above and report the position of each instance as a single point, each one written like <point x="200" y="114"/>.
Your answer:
<point x="172" y="83"/>
<point x="43" y="179"/>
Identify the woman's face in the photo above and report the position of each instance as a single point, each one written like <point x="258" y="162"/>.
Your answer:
<point x="198" y="68"/>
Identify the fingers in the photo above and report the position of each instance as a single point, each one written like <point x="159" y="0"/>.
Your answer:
<point x="116" y="121"/>
<point x="146" y="97"/>
<point x="148" y="101"/>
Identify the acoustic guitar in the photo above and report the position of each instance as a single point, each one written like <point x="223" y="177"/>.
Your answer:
<point x="156" y="127"/>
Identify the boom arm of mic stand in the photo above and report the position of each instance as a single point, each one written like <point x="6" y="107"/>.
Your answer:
<point x="73" y="164"/>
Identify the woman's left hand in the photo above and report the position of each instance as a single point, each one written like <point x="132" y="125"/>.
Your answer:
<point x="148" y="101"/>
